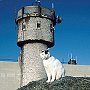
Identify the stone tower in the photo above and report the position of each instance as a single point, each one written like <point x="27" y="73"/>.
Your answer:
<point x="35" y="33"/>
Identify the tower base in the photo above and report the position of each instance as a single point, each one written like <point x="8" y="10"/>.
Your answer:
<point x="32" y="68"/>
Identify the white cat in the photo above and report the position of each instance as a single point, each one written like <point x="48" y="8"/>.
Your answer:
<point x="54" y="68"/>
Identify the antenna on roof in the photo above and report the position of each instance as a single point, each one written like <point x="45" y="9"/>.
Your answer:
<point x="68" y="56"/>
<point x="76" y="58"/>
<point x="52" y="5"/>
<point x="71" y="56"/>
<point x="36" y="3"/>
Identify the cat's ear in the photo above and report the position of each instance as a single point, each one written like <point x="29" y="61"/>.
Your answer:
<point x="48" y="49"/>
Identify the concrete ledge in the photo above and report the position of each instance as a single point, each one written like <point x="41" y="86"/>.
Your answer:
<point x="10" y="74"/>
<point x="77" y="70"/>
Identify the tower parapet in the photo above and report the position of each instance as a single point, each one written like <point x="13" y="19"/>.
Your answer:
<point x="36" y="24"/>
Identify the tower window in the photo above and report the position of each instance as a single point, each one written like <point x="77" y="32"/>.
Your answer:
<point x="24" y="25"/>
<point x="38" y="24"/>
<point x="51" y="27"/>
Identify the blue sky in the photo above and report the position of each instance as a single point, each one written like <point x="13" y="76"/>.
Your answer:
<point x="71" y="36"/>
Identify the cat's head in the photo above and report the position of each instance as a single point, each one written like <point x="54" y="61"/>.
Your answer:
<point x="45" y="54"/>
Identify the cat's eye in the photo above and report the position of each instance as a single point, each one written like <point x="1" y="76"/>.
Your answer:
<point x="46" y="52"/>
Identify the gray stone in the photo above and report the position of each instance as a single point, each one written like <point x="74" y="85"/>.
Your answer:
<point x="66" y="83"/>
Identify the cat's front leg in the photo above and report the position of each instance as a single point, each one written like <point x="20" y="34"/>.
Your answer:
<point x="53" y="76"/>
<point x="48" y="72"/>
<point x="48" y="76"/>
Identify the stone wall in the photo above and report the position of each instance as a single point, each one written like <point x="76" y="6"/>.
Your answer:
<point x="77" y="70"/>
<point x="32" y="65"/>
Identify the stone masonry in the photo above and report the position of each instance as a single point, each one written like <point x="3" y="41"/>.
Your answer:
<point x="35" y="33"/>
<point x="32" y="67"/>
